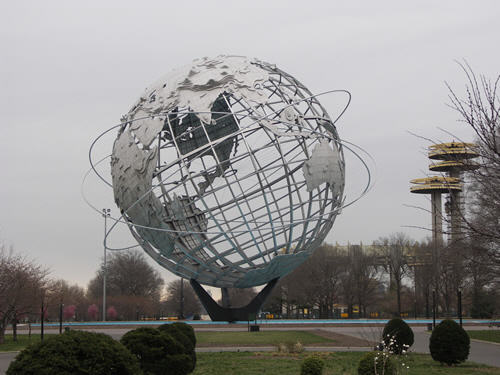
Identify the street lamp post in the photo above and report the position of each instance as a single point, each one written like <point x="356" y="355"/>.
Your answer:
<point x="106" y="212"/>
<point x="459" y="307"/>
<point x="61" y="305"/>
<point x="42" y="316"/>
<point x="433" y="308"/>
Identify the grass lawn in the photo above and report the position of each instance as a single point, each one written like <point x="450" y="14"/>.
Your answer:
<point x="336" y="363"/>
<point x="22" y="341"/>
<point x="486" y="335"/>
<point x="264" y="338"/>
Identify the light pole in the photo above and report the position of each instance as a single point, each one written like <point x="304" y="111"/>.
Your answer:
<point x="61" y="305"/>
<point x="42" y="316"/>
<point x="106" y="212"/>
<point x="459" y="303"/>
<point x="433" y="308"/>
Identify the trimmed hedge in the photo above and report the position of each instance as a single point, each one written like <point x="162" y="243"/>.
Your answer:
<point x="180" y="334"/>
<point x="158" y="352"/>
<point x="449" y="343"/>
<point x="186" y="329"/>
<point x="312" y="365"/>
<point x="75" y="353"/>
<point x="373" y="360"/>
<point x="400" y="333"/>
<point x="184" y="334"/>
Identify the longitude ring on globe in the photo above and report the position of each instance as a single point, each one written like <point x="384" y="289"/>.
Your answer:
<point x="229" y="171"/>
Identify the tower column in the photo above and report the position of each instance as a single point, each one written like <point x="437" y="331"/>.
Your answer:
<point x="437" y="235"/>
<point x="437" y="218"/>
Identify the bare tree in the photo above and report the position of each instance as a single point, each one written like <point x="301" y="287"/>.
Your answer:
<point x="481" y="283"/>
<point x="423" y="276"/>
<point x="181" y="299"/>
<point x="61" y="292"/>
<point x="365" y="274"/>
<point x="315" y="284"/>
<point x="348" y="284"/>
<point x="452" y="273"/>
<point x="320" y="279"/>
<point x="394" y="250"/>
<point x="21" y="283"/>
<point x="479" y="108"/>
<point x="288" y="294"/>
<point x="359" y="279"/>
<point x="133" y="286"/>
<point x="130" y="307"/>
<point x="128" y="274"/>
<point x="330" y="276"/>
<point x="295" y="289"/>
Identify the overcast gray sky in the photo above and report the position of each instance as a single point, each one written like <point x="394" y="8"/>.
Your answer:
<point x="69" y="70"/>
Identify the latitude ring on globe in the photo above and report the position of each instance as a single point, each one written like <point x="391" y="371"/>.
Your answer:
<point x="229" y="172"/>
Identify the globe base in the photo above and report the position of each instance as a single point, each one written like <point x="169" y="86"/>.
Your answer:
<point x="227" y="314"/>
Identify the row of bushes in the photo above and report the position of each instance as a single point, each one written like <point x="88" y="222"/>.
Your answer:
<point x="448" y="344"/>
<point x="167" y="350"/>
<point x="170" y="350"/>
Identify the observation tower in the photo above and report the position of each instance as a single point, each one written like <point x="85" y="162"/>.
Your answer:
<point x="453" y="158"/>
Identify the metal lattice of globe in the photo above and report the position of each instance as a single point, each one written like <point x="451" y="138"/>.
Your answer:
<point x="228" y="171"/>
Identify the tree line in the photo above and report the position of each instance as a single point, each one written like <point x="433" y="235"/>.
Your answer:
<point x="391" y="277"/>
<point x="134" y="290"/>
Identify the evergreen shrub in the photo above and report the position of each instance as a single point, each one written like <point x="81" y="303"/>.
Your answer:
<point x="312" y="365"/>
<point x="397" y="335"/>
<point x="158" y="352"/>
<point x="74" y="353"/>
<point x="184" y="334"/>
<point x="449" y="343"/>
<point x="376" y="363"/>
<point x="187" y="330"/>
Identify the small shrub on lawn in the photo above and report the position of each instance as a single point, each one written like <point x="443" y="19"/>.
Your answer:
<point x="298" y="347"/>
<point x="376" y="363"/>
<point x="290" y="347"/>
<point x="282" y="348"/>
<point x="312" y="365"/>
<point x="449" y="343"/>
<point x="75" y="352"/>
<point x="397" y="335"/>
<point x="158" y="352"/>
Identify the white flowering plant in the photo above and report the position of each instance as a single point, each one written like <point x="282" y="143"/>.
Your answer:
<point x="387" y="361"/>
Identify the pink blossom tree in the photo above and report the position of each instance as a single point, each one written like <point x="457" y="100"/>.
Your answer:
<point x="92" y="312"/>
<point x="111" y="313"/>
<point x="69" y="311"/>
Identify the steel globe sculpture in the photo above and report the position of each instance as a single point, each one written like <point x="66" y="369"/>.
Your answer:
<point x="229" y="172"/>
